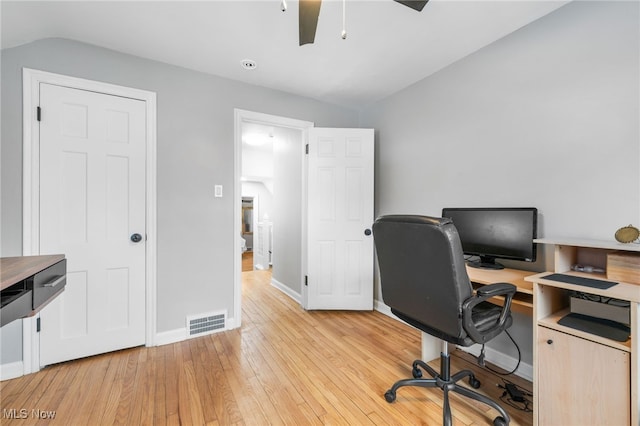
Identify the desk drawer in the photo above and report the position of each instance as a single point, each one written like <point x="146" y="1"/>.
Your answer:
<point x="48" y="282"/>
<point x="15" y="303"/>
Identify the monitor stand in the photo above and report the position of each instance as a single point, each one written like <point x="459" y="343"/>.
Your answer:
<point x="485" y="263"/>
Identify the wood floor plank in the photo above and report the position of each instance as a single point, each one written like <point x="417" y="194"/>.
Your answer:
<point x="284" y="366"/>
<point x="171" y="385"/>
<point x="106" y="404"/>
<point x="246" y="392"/>
<point x="29" y="391"/>
<point x="203" y="368"/>
<point x="160" y="378"/>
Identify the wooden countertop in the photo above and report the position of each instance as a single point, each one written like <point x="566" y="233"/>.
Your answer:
<point x="16" y="269"/>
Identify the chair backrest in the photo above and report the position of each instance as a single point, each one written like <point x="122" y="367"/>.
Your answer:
<point x="422" y="270"/>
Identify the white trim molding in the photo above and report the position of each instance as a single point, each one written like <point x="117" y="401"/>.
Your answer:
<point x="286" y="290"/>
<point x="11" y="370"/>
<point x="31" y="81"/>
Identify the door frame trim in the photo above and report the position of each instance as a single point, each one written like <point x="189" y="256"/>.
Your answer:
<point x="243" y="116"/>
<point x="31" y="80"/>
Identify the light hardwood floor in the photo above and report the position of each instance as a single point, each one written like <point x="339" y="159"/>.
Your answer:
<point x="247" y="261"/>
<point x="284" y="366"/>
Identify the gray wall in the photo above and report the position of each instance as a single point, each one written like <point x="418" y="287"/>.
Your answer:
<point x="547" y="117"/>
<point x="287" y="207"/>
<point x="195" y="152"/>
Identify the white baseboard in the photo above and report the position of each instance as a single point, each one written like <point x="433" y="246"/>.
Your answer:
<point x="286" y="290"/>
<point x="497" y="358"/>
<point x="231" y="324"/>
<point x="171" y="336"/>
<point x="383" y="309"/>
<point x="11" y="370"/>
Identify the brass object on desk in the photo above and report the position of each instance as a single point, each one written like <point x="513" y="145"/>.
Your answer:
<point x="627" y="234"/>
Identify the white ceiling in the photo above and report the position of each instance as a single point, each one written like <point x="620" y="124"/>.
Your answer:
<point x="388" y="47"/>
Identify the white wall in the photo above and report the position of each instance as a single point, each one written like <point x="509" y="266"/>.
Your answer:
<point x="546" y="117"/>
<point x="258" y="165"/>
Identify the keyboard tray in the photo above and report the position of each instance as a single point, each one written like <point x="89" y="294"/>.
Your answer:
<point x="598" y="326"/>
<point x="587" y="282"/>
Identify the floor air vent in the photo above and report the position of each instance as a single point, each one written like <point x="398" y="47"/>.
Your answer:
<point x="206" y="324"/>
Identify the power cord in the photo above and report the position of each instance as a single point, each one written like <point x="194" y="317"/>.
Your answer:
<point x="482" y="363"/>
<point x="513" y="395"/>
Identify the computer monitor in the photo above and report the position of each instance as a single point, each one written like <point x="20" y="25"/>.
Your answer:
<point x="496" y="233"/>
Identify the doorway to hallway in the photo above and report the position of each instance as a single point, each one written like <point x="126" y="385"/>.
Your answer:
<point x="270" y="169"/>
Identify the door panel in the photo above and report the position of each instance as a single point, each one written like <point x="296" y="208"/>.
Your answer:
<point x="340" y="208"/>
<point x="92" y="198"/>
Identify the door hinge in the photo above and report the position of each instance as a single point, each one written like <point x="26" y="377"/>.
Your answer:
<point x="306" y="280"/>
<point x="306" y="149"/>
<point x="38" y="113"/>
<point x="38" y="325"/>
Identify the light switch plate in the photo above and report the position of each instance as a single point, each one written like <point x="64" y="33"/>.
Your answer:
<point x="218" y="191"/>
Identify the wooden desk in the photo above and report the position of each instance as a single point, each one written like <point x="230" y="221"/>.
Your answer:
<point x="28" y="283"/>
<point x="522" y="301"/>
<point x="578" y="377"/>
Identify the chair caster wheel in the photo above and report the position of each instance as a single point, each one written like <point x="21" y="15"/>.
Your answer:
<point x="475" y="383"/>
<point x="499" y="421"/>
<point x="390" y="396"/>
<point x="416" y="372"/>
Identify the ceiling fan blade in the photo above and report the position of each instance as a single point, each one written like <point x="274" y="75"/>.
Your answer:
<point x="308" y="13"/>
<point x="414" y="4"/>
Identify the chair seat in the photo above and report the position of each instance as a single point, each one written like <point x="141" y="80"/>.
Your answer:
<point x="485" y="314"/>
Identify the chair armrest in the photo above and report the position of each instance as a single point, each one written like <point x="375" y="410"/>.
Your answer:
<point x="483" y="294"/>
<point x="498" y="289"/>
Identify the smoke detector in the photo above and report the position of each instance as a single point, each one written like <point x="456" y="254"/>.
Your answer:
<point x="249" y="64"/>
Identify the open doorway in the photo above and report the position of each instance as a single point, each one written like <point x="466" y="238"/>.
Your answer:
<point x="270" y="169"/>
<point x="257" y="187"/>
<point x="271" y="190"/>
<point x="247" y="231"/>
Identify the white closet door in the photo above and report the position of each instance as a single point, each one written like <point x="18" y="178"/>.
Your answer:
<point x="92" y="206"/>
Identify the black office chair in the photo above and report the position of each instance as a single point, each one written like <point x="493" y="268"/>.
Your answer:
<point x="425" y="283"/>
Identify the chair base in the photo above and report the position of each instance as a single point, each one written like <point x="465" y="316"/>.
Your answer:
<point x="447" y="383"/>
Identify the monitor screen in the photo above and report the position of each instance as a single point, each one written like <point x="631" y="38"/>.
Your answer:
<point x="496" y="233"/>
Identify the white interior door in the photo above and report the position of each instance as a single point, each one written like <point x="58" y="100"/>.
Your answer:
<point x="262" y="242"/>
<point x="340" y="215"/>
<point x="92" y="201"/>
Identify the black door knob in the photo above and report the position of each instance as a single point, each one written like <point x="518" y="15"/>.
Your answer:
<point x="549" y="342"/>
<point x="136" y="238"/>
<point x="367" y="232"/>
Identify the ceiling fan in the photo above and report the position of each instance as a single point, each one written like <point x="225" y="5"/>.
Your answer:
<point x="309" y="10"/>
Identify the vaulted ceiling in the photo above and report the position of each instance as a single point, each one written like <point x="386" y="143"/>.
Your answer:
<point x="388" y="46"/>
